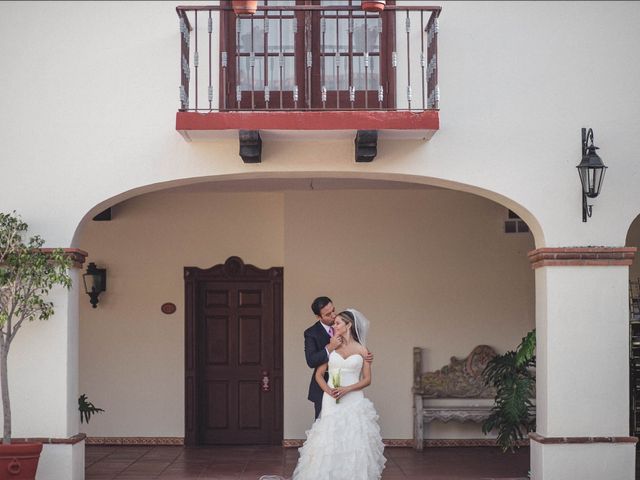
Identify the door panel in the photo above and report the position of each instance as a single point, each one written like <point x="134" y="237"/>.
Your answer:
<point x="236" y="323"/>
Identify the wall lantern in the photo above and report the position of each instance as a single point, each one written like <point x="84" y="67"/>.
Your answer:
<point x="591" y="171"/>
<point x="95" y="282"/>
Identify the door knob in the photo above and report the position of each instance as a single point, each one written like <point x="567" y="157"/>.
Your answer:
<point x="265" y="382"/>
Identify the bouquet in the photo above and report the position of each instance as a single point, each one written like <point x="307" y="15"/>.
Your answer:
<point x="335" y="380"/>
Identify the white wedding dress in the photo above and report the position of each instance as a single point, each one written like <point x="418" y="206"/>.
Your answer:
<point x="344" y="443"/>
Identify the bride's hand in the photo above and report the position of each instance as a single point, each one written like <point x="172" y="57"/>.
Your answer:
<point x="339" y="392"/>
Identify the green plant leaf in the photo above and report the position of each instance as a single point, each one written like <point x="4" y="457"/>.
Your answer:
<point x="513" y="415"/>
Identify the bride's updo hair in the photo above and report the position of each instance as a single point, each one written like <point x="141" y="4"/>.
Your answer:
<point x="350" y="320"/>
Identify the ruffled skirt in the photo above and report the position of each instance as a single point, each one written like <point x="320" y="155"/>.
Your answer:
<point x="344" y="443"/>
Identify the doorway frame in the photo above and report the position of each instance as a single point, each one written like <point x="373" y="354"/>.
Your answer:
<point x="233" y="270"/>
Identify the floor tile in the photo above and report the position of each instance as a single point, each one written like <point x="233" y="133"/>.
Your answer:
<point x="250" y="462"/>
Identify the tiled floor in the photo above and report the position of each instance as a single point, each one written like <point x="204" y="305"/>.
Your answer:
<point x="239" y="463"/>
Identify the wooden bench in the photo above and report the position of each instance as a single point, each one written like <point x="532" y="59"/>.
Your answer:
<point x="456" y="392"/>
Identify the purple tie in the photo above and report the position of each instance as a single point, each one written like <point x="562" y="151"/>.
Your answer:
<point x="331" y="331"/>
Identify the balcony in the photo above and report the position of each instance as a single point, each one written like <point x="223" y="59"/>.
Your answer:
<point x="311" y="69"/>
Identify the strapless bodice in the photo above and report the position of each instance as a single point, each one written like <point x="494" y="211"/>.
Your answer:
<point x="348" y="369"/>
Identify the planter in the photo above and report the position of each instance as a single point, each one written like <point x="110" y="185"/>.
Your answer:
<point x="374" y="6"/>
<point x="19" y="461"/>
<point x="242" y="7"/>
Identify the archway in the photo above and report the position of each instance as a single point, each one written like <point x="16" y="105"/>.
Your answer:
<point x="434" y="264"/>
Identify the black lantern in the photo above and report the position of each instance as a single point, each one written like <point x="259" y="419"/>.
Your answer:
<point x="95" y="282"/>
<point x="591" y="171"/>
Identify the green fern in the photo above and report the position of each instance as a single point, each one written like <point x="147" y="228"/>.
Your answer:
<point x="86" y="408"/>
<point x="513" y="415"/>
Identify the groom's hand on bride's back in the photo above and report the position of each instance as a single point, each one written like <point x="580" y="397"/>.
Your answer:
<point x="369" y="357"/>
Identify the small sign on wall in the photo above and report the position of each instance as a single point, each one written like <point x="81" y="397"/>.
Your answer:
<point x="168" y="308"/>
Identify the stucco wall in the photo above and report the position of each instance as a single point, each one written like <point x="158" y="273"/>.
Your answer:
<point x="430" y="268"/>
<point x="91" y="92"/>
<point x="94" y="92"/>
<point x="131" y="354"/>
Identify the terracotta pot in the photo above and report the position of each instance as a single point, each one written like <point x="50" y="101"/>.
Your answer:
<point x="241" y="7"/>
<point x="19" y="461"/>
<point x="375" y="6"/>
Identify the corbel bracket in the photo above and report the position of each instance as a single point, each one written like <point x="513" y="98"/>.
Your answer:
<point x="366" y="145"/>
<point x="250" y="146"/>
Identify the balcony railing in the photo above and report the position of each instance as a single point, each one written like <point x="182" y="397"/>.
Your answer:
<point x="309" y="57"/>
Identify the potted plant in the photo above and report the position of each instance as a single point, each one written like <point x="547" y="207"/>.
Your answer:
<point x="241" y="7"/>
<point x="374" y="6"/>
<point x="27" y="274"/>
<point x="513" y="415"/>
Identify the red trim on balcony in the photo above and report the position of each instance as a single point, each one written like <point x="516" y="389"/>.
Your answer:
<point x="309" y="120"/>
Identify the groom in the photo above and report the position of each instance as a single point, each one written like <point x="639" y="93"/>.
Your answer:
<point x="319" y="342"/>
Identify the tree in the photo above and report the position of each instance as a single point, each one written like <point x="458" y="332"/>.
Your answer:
<point x="27" y="275"/>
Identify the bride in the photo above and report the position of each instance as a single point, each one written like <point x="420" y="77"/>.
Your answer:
<point x="344" y="442"/>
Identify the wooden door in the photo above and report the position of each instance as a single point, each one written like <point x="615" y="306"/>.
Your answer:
<point x="233" y="355"/>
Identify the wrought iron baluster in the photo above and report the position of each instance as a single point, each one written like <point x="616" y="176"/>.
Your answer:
<point x="337" y="60"/>
<point x="281" y="60"/>
<point x="436" y="92"/>
<point x="394" y="66"/>
<point x="265" y="50"/>
<point x="350" y="66"/>
<point x="210" y="87"/>
<point x="308" y="47"/>
<point x="185" y="28"/>
<point x="196" y="59"/>
<point x="366" y="61"/>
<point x="408" y="29"/>
<point x="380" y="88"/>
<point x="238" y="79"/>
<point x="252" y="65"/>
<point x="223" y="61"/>
<point x="323" y="81"/>
<point x="432" y="65"/>
<point x="295" y="69"/>
<point x="422" y="58"/>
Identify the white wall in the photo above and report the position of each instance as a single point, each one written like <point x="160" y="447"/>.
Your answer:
<point x="430" y="268"/>
<point x="94" y="92"/>
<point x="131" y="354"/>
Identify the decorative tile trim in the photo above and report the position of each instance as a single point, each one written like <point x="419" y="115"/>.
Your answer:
<point x="397" y="442"/>
<point x="467" y="442"/>
<point x="408" y="442"/>
<point x="135" y="441"/>
<point x="76" y="255"/>
<point x="582" y="256"/>
<point x="55" y="441"/>
<point x="536" y="437"/>
<point x="292" y="443"/>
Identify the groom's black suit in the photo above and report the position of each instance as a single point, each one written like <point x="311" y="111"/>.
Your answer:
<point x="316" y="339"/>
